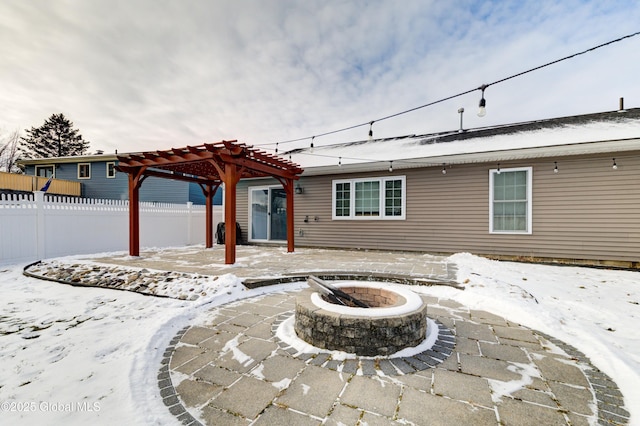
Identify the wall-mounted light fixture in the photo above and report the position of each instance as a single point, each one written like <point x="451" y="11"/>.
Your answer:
<point x="299" y="189"/>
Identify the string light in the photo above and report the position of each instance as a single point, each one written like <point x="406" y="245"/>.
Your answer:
<point x="444" y="169"/>
<point x="498" y="171"/>
<point x="615" y="166"/>
<point x="339" y="161"/>
<point x="482" y="111"/>
<point x="555" y="168"/>
<point x="390" y="166"/>
<point x="311" y="147"/>
<point x="276" y="147"/>
<point x="371" y="131"/>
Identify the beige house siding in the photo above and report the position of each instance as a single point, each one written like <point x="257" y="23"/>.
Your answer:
<point x="586" y="212"/>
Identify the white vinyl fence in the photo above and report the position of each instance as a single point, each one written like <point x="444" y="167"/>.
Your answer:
<point x="34" y="227"/>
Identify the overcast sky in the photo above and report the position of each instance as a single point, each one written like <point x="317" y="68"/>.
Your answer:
<point x="147" y="75"/>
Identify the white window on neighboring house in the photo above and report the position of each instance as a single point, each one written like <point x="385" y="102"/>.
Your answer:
<point x="111" y="170"/>
<point x="369" y="198"/>
<point x="510" y="200"/>
<point x="84" y="171"/>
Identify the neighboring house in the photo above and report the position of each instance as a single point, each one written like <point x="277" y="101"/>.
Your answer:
<point x="99" y="179"/>
<point x="564" y="189"/>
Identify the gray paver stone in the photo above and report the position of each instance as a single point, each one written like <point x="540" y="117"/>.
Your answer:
<point x="247" y="397"/>
<point x="515" y="333"/>
<point x="314" y="391"/>
<point x="281" y="416"/>
<point x="573" y="398"/>
<point x="537" y="397"/>
<point x="368" y="367"/>
<point x="277" y="368"/>
<point x="462" y="387"/>
<point x="387" y="368"/>
<point x="487" y="318"/>
<point x="402" y="365"/>
<point x="183" y="354"/>
<point x="426" y="409"/>
<point x="467" y="346"/>
<point x="343" y="415"/>
<point x="371" y="395"/>
<point x="561" y="371"/>
<point x="195" y="335"/>
<point x="350" y="366"/>
<point x="218" y="375"/>
<point x="195" y="393"/>
<point x="213" y="416"/>
<point x="488" y="368"/>
<point x="197" y="363"/>
<point x="475" y="331"/>
<point x="517" y="413"/>
<point x="217" y="341"/>
<point x="503" y="352"/>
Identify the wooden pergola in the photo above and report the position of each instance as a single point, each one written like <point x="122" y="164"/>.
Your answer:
<point x="208" y="165"/>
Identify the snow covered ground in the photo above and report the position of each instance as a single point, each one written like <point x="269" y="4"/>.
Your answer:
<point x="73" y="355"/>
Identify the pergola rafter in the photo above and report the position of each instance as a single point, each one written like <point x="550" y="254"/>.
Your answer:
<point x="208" y="165"/>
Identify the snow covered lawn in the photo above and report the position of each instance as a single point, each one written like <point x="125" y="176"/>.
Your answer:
<point x="73" y="355"/>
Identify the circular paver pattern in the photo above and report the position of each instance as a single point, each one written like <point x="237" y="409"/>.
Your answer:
<point x="232" y="369"/>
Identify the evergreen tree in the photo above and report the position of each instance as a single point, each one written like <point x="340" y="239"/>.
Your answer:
<point x="55" y="138"/>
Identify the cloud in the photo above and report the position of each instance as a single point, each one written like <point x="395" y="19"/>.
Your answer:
<point x="154" y="74"/>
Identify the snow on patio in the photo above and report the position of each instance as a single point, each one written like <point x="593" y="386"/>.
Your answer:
<point x="74" y="355"/>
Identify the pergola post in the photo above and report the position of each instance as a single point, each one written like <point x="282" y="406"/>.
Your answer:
<point x="290" y="222"/>
<point x="230" y="181"/>
<point x="134" y="213"/>
<point x="209" y="191"/>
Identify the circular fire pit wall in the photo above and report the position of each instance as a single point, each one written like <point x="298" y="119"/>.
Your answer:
<point x="395" y="320"/>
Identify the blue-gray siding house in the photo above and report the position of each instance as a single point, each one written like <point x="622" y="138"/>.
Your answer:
<point x="99" y="179"/>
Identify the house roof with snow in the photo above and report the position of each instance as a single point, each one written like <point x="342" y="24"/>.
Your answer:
<point x="614" y="131"/>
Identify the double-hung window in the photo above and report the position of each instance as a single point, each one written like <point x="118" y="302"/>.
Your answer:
<point x="111" y="170"/>
<point x="369" y="198"/>
<point x="84" y="170"/>
<point x="510" y="205"/>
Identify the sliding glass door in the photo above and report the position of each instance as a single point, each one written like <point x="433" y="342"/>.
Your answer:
<point x="268" y="214"/>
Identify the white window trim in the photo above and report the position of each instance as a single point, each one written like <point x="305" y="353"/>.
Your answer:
<point x="529" y="170"/>
<point x="84" y="164"/>
<point x="114" y="169"/>
<point x="352" y="204"/>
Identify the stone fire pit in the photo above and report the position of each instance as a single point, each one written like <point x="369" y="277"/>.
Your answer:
<point x="396" y="319"/>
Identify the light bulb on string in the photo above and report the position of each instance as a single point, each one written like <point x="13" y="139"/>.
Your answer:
<point x="498" y="171"/>
<point x="555" y="168"/>
<point x="311" y="147"/>
<point x="615" y="166"/>
<point x="276" y="147"/>
<point x="444" y="169"/>
<point x="390" y="166"/>
<point x="482" y="111"/>
<point x="371" y="131"/>
<point x="339" y="161"/>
